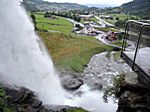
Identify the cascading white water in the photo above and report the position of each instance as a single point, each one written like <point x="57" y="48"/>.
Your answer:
<point x="24" y="62"/>
<point x="23" y="59"/>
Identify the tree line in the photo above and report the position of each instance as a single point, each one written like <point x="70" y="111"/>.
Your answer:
<point x="64" y="14"/>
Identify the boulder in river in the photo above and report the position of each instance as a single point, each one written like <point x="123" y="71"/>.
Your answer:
<point x="71" y="83"/>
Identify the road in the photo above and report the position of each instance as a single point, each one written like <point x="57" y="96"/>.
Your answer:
<point x="103" y="22"/>
<point x="75" y="22"/>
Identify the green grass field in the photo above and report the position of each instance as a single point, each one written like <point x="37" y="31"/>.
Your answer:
<point x="59" y="24"/>
<point x="122" y="17"/>
<point x="72" y="52"/>
<point x="118" y="43"/>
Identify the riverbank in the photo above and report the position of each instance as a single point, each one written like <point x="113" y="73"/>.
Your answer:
<point x="72" y="53"/>
<point x="96" y="77"/>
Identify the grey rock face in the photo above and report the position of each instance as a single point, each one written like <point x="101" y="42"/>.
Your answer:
<point x="71" y="83"/>
<point x="134" y="97"/>
<point x="24" y="100"/>
<point x="102" y="69"/>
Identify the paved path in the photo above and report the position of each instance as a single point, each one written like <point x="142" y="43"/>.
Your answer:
<point x="103" y="22"/>
<point x="75" y="22"/>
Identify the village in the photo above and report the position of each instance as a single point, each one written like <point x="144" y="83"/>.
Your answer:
<point x="96" y="27"/>
<point x="90" y="23"/>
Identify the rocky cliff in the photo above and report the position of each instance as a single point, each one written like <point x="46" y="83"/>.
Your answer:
<point x="133" y="96"/>
<point x="24" y="100"/>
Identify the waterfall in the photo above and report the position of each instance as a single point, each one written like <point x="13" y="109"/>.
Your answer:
<point x="24" y="60"/>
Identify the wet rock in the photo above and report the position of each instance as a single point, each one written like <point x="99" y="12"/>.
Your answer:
<point x="22" y="95"/>
<point x="36" y="103"/>
<point x="133" y="96"/>
<point x="131" y="78"/>
<point x="23" y="100"/>
<point x="72" y="83"/>
<point x="134" y="102"/>
<point x="116" y="49"/>
<point x="98" y="86"/>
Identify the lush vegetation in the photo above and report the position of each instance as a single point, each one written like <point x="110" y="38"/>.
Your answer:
<point x="64" y="14"/>
<point x="137" y="7"/>
<point x="41" y="5"/>
<point x="76" y="110"/>
<point x="118" y="43"/>
<point x="58" y="24"/>
<point x="69" y="51"/>
<point x="72" y="52"/>
<point x="119" y="20"/>
<point x="3" y="101"/>
<point x="114" y="90"/>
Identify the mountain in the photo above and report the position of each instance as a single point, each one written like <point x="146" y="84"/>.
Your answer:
<point x="97" y="5"/>
<point x="138" y="7"/>
<point x="47" y="6"/>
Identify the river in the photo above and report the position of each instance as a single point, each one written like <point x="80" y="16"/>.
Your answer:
<point x="100" y="71"/>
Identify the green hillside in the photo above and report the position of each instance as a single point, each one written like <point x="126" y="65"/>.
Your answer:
<point x="47" y="6"/>
<point x="138" y="7"/>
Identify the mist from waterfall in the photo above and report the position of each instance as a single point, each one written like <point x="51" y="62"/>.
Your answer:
<point x="24" y="60"/>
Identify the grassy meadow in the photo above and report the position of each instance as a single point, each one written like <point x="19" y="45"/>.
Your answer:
<point x="69" y="51"/>
<point x="59" y="24"/>
<point x="122" y="18"/>
<point x="72" y="52"/>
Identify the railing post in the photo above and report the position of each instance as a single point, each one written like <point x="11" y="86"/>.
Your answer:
<point x="124" y="39"/>
<point x="137" y="47"/>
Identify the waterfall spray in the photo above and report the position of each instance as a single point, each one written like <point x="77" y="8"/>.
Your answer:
<point x="23" y="59"/>
<point x="24" y="62"/>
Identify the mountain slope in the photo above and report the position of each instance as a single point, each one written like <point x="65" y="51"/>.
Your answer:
<point x="138" y="7"/>
<point x="47" y="6"/>
<point x="97" y="5"/>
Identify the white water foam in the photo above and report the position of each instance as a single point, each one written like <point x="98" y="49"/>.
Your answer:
<point x="23" y="58"/>
<point x="25" y="62"/>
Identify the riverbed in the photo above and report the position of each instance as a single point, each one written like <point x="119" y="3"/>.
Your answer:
<point x="97" y="76"/>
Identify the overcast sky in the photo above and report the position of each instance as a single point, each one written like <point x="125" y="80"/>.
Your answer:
<point x="109" y="2"/>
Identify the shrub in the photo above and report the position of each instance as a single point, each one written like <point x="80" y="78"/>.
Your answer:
<point x="115" y="88"/>
<point x="3" y="101"/>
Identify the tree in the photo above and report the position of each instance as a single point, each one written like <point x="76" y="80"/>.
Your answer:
<point x="33" y="18"/>
<point x="117" y="18"/>
<point x="78" y="26"/>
